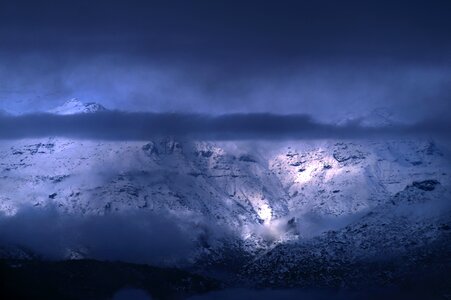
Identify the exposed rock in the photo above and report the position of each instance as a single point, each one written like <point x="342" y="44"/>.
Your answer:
<point x="327" y="167"/>
<point x="150" y="149"/>
<point x="426" y="185"/>
<point x="247" y="158"/>
<point x="205" y="153"/>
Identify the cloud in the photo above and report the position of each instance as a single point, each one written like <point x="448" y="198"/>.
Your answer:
<point x="137" y="237"/>
<point x="117" y="125"/>
<point x="218" y="57"/>
<point x="221" y="30"/>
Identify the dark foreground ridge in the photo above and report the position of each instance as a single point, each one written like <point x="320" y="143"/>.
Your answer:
<point x="421" y="276"/>
<point x="91" y="279"/>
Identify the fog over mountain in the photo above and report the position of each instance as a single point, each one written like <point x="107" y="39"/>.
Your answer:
<point x="225" y="150"/>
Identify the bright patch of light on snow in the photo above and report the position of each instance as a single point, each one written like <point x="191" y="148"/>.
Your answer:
<point x="305" y="176"/>
<point x="308" y="174"/>
<point x="335" y="172"/>
<point x="265" y="213"/>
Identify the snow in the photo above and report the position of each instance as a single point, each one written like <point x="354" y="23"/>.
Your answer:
<point x="197" y="182"/>
<point x="215" y="185"/>
<point x="75" y="106"/>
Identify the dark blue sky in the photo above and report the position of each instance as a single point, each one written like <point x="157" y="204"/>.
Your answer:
<point x="324" y="58"/>
<point x="221" y="32"/>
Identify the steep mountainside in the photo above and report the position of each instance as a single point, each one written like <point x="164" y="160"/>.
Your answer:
<point x="233" y="184"/>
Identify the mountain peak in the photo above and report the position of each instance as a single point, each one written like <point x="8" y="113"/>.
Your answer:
<point x="75" y="106"/>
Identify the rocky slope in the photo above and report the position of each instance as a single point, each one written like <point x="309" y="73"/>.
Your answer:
<point x="406" y="232"/>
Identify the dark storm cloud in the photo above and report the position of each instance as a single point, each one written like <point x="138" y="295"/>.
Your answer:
<point x="116" y="125"/>
<point x="208" y="30"/>
<point x="325" y="58"/>
<point x="137" y="237"/>
<point x="331" y="90"/>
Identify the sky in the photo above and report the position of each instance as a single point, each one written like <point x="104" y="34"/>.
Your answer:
<point x="327" y="59"/>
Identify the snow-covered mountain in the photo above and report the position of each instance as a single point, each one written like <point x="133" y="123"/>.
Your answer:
<point x="284" y="204"/>
<point x="75" y="106"/>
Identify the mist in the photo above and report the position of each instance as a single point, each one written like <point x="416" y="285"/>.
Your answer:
<point x="327" y="90"/>
<point x="328" y="59"/>
<point x="136" y="237"/>
<point x="116" y="125"/>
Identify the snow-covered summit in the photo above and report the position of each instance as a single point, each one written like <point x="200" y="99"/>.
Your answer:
<point x="75" y="106"/>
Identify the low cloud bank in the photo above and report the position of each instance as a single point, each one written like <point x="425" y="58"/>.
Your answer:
<point x="116" y="125"/>
<point x="137" y="237"/>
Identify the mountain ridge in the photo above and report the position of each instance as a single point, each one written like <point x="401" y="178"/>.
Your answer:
<point x="259" y="209"/>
